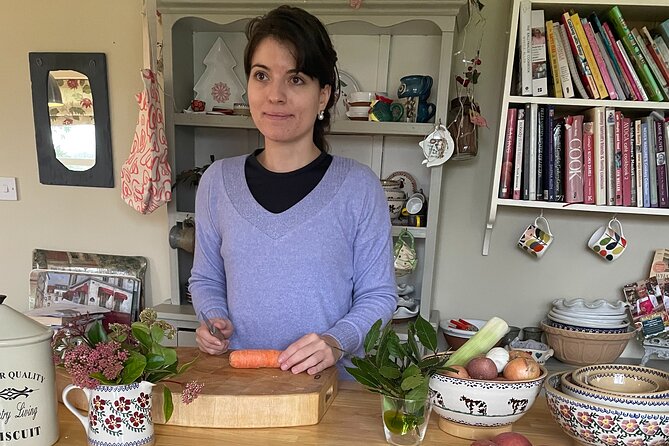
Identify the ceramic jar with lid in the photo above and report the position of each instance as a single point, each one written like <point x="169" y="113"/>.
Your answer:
<point x="28" y="404"/>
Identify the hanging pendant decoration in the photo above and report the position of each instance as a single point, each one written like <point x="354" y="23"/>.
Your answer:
<point x="438" y="146"/>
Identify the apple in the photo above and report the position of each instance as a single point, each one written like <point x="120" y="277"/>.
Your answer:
<point x="511" y="439"/>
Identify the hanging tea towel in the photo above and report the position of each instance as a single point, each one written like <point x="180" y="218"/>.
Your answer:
<point x="146" y="176"/>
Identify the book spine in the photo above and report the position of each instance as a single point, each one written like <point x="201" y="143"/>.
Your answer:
<point x="645" y="164"/>
<point x="579" y="57"/>
<point x="599" y="59"/>
<point x="550" y="152"/>
<point x="589" y="56"/>
<point x="661" y="161"/>
<point x="663" y="29"/>
<point x="558" y="143"/>
<point x="571" y="62"/>
<point x="638" y="155"/>
<point x="633" y="200"/>
<point x="573" y="131"/>
<point x="625" y="67"/>
<point x="618" y="151"/>
<point x="630" y="68"/>
<point x="505" y="187"/>
<point x="539" y="59"/>
<point x="607" y="51"/>
<point x="652" y="162"/>
<point x="627" y="161"/>
<point x="617" y="86"/>
<point x="642" y="68"/>
<point x="654" y="69"/>
<point x="655" y="53"/>
<point x="541" y="118"/>
<point x="599" y="128"/>
<point x="610" y="114"/>
<point x="589" y="163"/>
<point x="553" y="58"/>
<point x="532" y="150"/>
<point x="663" y="49"/>
<point x="525" y="46"/>
<point x="518" y="166"/>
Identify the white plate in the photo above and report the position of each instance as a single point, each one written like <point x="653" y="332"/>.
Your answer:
<point x="599" y="306"/>
<point x="586" y="324"/>
<point x="594" y="317"/>
<point x="350" y="87"/>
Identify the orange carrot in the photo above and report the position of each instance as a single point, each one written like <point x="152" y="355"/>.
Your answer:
<point x="254" y="359"/>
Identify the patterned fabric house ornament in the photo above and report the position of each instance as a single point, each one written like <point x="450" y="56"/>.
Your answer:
<point x="437" y="147"/>
<point x="219" y="86"/>
<point x="146" y="177"/>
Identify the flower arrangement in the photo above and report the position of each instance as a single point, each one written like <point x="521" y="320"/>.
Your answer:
<point x="123" y="355"/>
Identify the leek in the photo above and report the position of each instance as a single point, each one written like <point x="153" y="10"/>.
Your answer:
<point x="480" y="343"/>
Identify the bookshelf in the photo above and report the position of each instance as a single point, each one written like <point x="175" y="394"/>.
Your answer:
<point x="650" y="14"/>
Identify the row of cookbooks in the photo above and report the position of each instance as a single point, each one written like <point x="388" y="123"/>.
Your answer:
<point x="594" y="57"/>
<point x="602" y="157"/>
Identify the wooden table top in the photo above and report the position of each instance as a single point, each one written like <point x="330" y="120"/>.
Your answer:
<point x="354" y="418"/>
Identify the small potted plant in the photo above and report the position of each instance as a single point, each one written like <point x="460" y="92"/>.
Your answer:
<point x="117" y="370"/>
<point x="400" y="372"/>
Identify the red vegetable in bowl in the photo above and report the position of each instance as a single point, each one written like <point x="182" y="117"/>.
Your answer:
<point x="482" y="368"/>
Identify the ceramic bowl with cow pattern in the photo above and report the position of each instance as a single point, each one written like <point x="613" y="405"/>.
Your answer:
<point x="483" y="403"/>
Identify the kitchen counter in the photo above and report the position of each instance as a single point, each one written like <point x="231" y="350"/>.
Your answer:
<point x="354" y="418"/>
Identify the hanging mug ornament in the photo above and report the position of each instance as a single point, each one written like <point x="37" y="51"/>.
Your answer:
<point x="437" y="147"/>
<point x="536" y="239"/>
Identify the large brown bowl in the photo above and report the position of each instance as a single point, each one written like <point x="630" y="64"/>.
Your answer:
<point x="581" y="348"/>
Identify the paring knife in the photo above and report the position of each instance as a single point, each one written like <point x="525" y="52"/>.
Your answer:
<point x="213" y="330"/>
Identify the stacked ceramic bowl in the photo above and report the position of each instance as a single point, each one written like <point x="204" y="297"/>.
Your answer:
<point x="357" y="106"/>
<point x="611" y="404"/>
<point x="456" y="337"/>
<point x="599" y="316"/>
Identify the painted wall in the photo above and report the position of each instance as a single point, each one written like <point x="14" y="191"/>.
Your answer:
<point x="62" y="217"/>
<point x="508" y="282"/>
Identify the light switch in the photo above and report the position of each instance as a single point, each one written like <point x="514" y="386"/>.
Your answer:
<point x="8" y="188"/>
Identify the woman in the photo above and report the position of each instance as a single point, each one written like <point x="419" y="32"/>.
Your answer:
<point x="293" y="245"/>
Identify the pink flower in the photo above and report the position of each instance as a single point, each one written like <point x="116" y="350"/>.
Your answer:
<point x="629" y="425"/>
<point x="191" y="391"/>
<point x="585" y="434"/>
<point x="72" y="84"/>
<point x="113" y="422"/>
<point x="98" y="403"/>
<point x="565" y="411"/>
<point x="92" y="419"/>
<point x="635" y="442"/>
<point x="605" y="422"/>
<point x="137" y="419"/>
<point x="584" y="418"/>
<point x="650" y="427"/>
<point x="143" y="400"/>
<point x="220" y="92"/>
<point x="122" y="404"/>
<point x="609" y="439"/>
<point x="86" y="103"/>
<point x="83" y="361"/>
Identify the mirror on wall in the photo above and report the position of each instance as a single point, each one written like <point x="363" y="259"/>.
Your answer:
<point x="71" y="113"/>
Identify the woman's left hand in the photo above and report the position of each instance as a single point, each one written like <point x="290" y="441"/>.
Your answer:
<point x="311" y="353"/>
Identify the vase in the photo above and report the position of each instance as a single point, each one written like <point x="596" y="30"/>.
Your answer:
<point x="404" y="420"/>
<point x="462" y="129"/>
<point x="117" y="415"/>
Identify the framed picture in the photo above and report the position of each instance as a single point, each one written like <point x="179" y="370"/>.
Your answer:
<point x="114" y="283"/>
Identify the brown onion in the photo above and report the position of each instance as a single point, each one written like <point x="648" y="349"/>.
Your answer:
<point x="520" y="369"/>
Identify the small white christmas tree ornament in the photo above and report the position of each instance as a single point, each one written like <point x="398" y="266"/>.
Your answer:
<point x="219" y="86"/>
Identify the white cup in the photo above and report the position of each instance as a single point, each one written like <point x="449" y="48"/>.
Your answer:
<point x="415" y="203"/>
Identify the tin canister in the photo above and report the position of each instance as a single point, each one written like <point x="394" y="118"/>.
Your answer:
<point x="28" y="402"/>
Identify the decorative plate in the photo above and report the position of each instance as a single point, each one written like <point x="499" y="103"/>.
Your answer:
<point x="219" y="86"/>
<point x="348" y="86"/>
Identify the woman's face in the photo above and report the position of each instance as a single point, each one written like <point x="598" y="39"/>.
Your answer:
<point x="284" y="103"/>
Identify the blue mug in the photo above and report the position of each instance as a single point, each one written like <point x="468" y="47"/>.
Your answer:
<point x="415" y="85"/>
<point x="426" y="111"/>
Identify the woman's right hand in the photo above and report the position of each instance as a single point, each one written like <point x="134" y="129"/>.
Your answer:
<point x="209" y="343"/>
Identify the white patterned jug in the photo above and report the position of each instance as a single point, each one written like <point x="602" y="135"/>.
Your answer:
<point x="117" y="415"/>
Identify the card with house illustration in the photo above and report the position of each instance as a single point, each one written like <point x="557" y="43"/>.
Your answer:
<point x="648" y="304"/>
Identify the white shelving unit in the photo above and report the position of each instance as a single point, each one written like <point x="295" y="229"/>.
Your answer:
<point x="377" y="44"/>
<point x="649" y="13"/>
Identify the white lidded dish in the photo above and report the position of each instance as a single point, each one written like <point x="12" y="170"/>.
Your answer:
<point x="28" y="403"/>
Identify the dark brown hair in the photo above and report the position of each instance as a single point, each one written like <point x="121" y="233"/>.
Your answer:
<point x="314" y="53"/>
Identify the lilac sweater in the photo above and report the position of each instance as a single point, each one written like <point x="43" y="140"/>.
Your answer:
<point x="323" y="266"/>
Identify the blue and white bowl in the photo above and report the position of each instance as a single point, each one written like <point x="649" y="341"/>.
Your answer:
<point x="483" y="403"/>
<point x="629" y="402"/>
<point x="597" y="424"/>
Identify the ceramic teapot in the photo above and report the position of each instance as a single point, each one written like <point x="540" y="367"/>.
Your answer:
<point x="28" y="405"/>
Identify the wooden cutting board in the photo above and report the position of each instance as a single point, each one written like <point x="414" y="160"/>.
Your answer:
<point x="237" y="398"/>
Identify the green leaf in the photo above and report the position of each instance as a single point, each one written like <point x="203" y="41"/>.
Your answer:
<point x="413" y="351"/>
<point x="86" y="89"/>
<point x="96" y="334"/>
<point x="142" y="334"/>
<point x="364" y="379"/>
<point x="169" y="354"/>
<point x="426" y="333"/>
<point x="418" y="393"/>
<point x="372" y="336"/>
<point x="390" y="372"/>
<point x="103" y="379"/>
<point x="183" y="367"/>
<point x="133" y="368"/>
<point x="432" y="362"/>
<point x="157" y="333"/>
<point x="382" y="350"/>
<point x="168" y="405"/>
<point x="413" y="381"/>
<point x="395" y="348"/>
<point x="154" y="361"/>
<point x="412" y="370"/>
